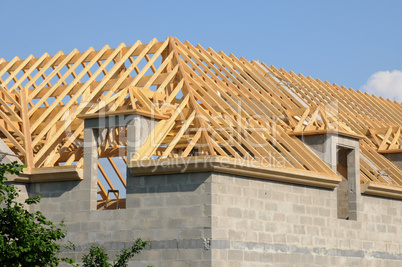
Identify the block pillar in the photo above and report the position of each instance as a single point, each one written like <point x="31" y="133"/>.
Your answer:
<point x="330" y="151"/>
<point x="332" y="144"/>
<point x="91" y="165"/>
<point x="353" y="159"/>
<point x="138" y="130"/>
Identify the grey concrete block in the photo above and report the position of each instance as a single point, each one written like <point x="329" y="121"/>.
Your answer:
<point x="236" y="255"/>
<point x="152" y="223"/>
<point x="113" y="225"/>
<point x="164" y="244"/>
<point x="200" y="177"/>
<point x="192" y="234"/>
<point x="189" y="188"/>
<point x="99" y="236"/>
<point x="234" y="212"/>
<point x="169" y="255"/>
<point x="153" y="201"/>
<point x="191" y="244"/>
<point x="176" y="223"/>
<point x="191" y="211"/>
<point x="190" y="254"/>
<point x="168" y="212"/>
<point x="182" y="178"/>
<point x="168" y="188"/>
<point x="149" y="212"/>
<point x="73" y="227"/>
<point x="220" y="244"/>
<point x="49" y="187"/>
<point x="156" y="180"/>
<point x="79" y="216"/>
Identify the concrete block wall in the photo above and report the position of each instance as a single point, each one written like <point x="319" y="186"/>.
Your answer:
<point x="212" y="219"/>
<point x="22" y="189"/>
<point x="315" y="143"/>
<point x="175" y="215"/>
<point x="395" y="158"/>
<point x="265" y="223"/>
<point x="172" y="211"/>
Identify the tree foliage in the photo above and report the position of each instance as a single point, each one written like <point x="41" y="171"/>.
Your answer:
<point x="97" y="256"/>
<point x="26" y="239"/>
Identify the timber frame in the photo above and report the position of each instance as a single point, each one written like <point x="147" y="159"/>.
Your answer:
<point x="207" y="103"/>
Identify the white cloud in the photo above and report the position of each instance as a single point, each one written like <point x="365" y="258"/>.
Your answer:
<point x="387" y="84"/>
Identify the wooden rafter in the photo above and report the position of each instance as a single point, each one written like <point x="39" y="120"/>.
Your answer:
<point x="388" y="140"/>
<point x="316" y="120"/>
<point x="205" y="102"/>
<point x="364" y="114"/>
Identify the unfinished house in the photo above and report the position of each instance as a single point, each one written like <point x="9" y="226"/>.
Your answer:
<point x="217" y="160"/>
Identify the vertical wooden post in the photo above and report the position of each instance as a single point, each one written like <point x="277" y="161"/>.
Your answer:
<point x="26" y="129"/>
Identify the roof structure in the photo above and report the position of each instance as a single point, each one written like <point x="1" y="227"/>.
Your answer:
<point x="207" y="103"/>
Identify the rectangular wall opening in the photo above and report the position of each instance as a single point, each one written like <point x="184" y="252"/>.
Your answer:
<point x="346" y="193"/>
<point x="112" y="167"/>
<point x="343" y="187"/>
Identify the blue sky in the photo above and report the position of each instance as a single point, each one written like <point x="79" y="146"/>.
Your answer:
<point x="352" y="43"/>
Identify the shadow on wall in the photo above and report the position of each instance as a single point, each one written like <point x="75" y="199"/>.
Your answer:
<point x="53" y="189"/>
<point x="168" y="183"/>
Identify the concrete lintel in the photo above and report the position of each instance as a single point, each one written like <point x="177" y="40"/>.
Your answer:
<point x="110" y="121"/>
<point x="382" y="190"/>
<point x="49" y="174"/>
<point x="232" y="166"/>
<point x="331" y="144"/>
<point x="326" y="131"/>
<point x="149" y="114"/>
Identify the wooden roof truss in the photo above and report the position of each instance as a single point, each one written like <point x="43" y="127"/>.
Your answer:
<point x="361" y="114"/>
<point x="207" y="103"/>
